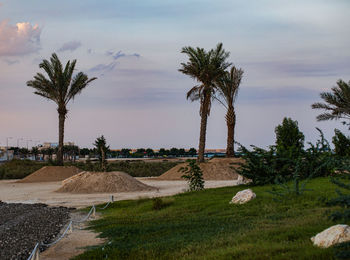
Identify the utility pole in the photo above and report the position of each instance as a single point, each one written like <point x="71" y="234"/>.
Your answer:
<point x="7" y="147"/>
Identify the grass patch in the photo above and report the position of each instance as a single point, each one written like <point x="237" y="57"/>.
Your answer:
<point x="134" y="168"/>
<point x="203" y="225"/>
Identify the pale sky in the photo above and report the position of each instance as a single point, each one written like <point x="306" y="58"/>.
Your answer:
<point x="290" y="51"/>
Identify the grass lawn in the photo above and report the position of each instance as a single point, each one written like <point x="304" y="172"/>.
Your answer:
<point x="203" y="225"/>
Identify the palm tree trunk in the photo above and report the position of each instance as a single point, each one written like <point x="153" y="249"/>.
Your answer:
<point x="61" y="119"/>
<point x="231" y="123"/>
<point x="203" y="129"/>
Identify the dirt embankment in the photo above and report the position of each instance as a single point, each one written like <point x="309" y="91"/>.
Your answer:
<point x="214" y="169"/>
<point x="51" y="173"/>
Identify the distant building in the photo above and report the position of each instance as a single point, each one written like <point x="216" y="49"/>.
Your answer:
<point x="3" y="154"/>
<point x="54" y="145"/>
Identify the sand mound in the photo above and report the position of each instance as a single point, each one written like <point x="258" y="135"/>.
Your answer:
<point x="102" y="182"/>
<point x="51" y="173"/>
<point x="214" y="169"/>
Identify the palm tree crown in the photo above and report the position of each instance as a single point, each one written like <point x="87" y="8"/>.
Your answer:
<point x="61" y="87"/>
<point x="337" y="104"/>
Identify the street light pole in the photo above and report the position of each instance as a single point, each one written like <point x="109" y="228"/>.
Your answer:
<point x="7" y="147"/>
<point x="27" y="144"/>
<point x="18" y="139"/>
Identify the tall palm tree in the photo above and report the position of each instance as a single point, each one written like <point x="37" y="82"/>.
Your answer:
<point x="337" y="104"/>
<point x="227" y="87"/>
<point x="61" y="87"/>
<point x="206" y="67"/>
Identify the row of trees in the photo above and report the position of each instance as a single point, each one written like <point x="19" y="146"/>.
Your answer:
<point x="71" y="151"/>
<point x="217" y="81"/>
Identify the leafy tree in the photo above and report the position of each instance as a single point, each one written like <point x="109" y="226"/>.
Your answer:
<point x="206" y="67"/>
<point x="194" y="175"/>
<point x="182" y="152"/>
<point x="192" y="151"/>
<point x="289" y="140"/>
<point x="60" y="87"/>
<point x="227" y="87"/>
<point x="149" y="152"/>
<point x="341" y="143"/>
<point x="125" y="152"/>
<point x="84" y="151"/>
<point x="35" y="152"/>
<point x="102" y="149"/>
<point x="337" y="103"/>
<point x="174" y="151"/>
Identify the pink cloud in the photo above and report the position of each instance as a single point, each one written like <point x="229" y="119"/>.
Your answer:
<point x="19" y="39"/>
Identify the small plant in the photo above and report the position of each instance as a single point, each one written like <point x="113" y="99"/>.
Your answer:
<point x="158" y="204"/>
<point x="194" y="175"/>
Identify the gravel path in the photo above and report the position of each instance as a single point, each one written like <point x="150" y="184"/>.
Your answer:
<point x="23" y="225"/>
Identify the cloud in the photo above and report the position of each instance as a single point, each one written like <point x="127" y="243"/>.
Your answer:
<point x="70" y="46"/>
<point x="110" y="66"/>
<point x="120" y="54"/>
<point x="11" y="62"/>
<point x="103" y="67"/>
<point x="19" y="39"/>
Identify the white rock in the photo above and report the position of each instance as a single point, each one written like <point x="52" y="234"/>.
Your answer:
<point x="242" y="180"/>
<point x="331" y="236"/>
<point x="243" y="196"/>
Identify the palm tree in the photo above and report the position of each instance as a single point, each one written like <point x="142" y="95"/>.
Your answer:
<point x="227" y="87"/>
<point x="60" y="87"/>
<point x="206" y="67"/>
<point x="337" y="102"/>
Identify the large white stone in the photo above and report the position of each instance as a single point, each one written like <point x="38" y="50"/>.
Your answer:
<point x="243" y="196"/>
<point x="331" y="236"/>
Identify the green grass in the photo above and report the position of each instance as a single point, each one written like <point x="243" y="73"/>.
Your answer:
<point x="203" y="225"/>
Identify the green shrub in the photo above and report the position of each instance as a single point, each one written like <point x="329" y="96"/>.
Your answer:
<point x="341" y="143"/>
<point x="269" y="166"/>
<point x="194" y="175"/>
<point x="18" y="169"/>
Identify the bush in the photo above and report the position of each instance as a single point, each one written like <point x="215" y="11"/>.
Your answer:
<point x="18" y="169"/>
<point x="341" y="143"/>
<point x="133" y="168"/>
<point x="269" y="166"/>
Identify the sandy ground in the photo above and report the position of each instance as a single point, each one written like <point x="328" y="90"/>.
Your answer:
<point x="75" y="243"/>
<point x="44" y="192"/>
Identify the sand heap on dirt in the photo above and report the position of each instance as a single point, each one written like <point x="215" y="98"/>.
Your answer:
<point x="214" y="169"/>
<point x="51" y="173"/>
<point x="102" y="182"/>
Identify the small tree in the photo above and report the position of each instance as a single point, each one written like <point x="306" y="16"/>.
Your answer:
<point x="289" y="140"/>
<point x="194" y="175"/>
<point x="341" y="143"/>
<point x="102" y="149"/>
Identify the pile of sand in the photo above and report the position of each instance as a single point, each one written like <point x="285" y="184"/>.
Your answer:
<point x="102" y="182"/>
<point x="51" y="173"/>
<point x="214" y="169"/>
